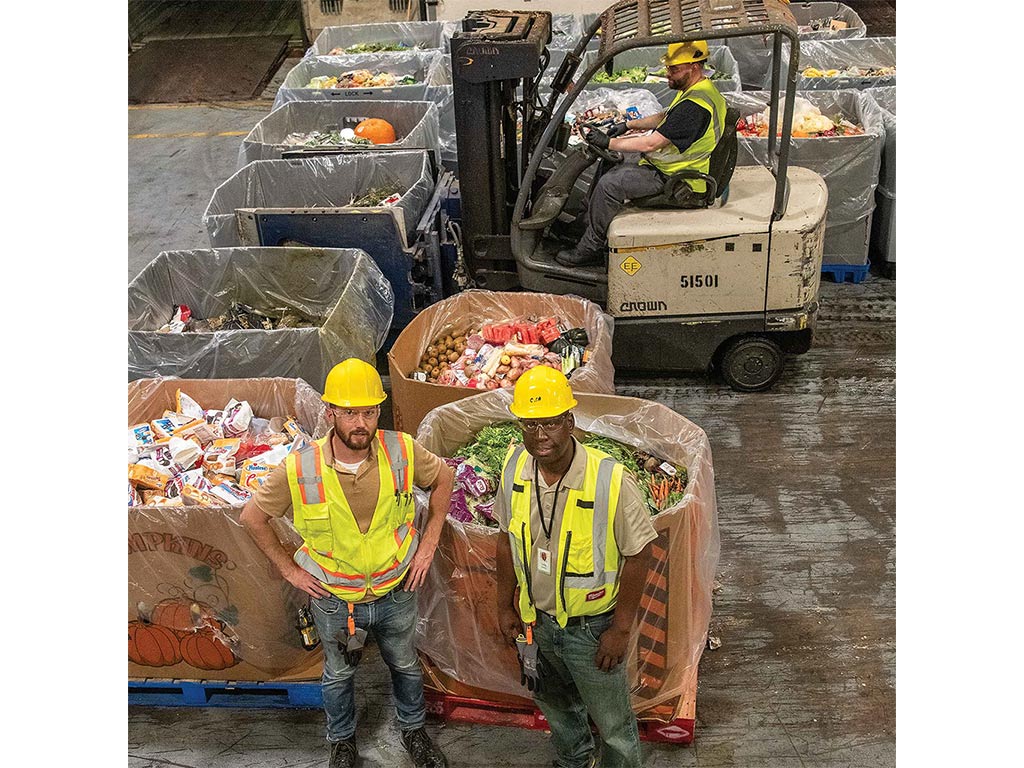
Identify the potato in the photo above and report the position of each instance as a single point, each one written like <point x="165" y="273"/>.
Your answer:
<point x="453" y="356"/>
<point x="433" y="361"/>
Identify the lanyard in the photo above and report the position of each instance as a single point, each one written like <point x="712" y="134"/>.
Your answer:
<point x="536" y="490"/>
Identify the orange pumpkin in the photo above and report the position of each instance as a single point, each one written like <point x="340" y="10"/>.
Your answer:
<point x="152" y="645"/>
<point x="176" y="613"/>
<point x="376" y="130"/>
<point x="205" y="650"/>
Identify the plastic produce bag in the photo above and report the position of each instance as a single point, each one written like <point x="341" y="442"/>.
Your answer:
<point x="203" y="600"/>
<point x="458" y="629"/>
<point x="849" y="164"/>
<point x="341" y="290"/>
<point x="415" y="124"/>
<point x="411" y="399"/>
<point x="359" y="39"/>
<point x="319" y="182"/>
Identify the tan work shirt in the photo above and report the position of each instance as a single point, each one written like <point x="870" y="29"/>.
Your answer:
<point x="633" y="527"/>
<point x="361" y="488"/>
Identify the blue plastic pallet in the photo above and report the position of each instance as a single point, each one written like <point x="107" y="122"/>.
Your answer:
<point x="217" y="693"/>
<point x="841" y="273"/>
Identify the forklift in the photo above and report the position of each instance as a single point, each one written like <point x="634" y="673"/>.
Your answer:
<point x="730" y="286"/>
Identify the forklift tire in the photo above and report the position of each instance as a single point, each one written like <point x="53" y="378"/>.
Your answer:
<point x="752" y="364"/>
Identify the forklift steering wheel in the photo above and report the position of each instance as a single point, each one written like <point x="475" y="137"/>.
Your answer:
<point x="611" y="155"/>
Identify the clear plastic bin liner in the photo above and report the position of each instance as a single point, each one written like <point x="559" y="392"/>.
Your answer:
<point x="458" y="626"/>
<point x="849" y="164"/>
<point x="886" y="100"/>
<point x="720" y="59"/>
<point x="319" y="182"/>
<point x="414" y="35"/>
<point x="754" y="54"/>
<point x="441" y="91"/>
<point x="341" y="290"/>
<point x="417" y="64"/>
<point x="867" y="53"/>
<point x="415" y="123"/>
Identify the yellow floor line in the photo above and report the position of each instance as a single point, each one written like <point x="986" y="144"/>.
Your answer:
<point x="194" y="135"/>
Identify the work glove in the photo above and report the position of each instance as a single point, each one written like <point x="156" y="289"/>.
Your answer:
<point x="598" y="139"/>
<point x="529" y="664"/>
<point x="617" y="129"/>
<point x="352" y="646"/>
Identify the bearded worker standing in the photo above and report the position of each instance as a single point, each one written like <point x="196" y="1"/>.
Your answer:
<point x="578" y="549"/>
<point x="361" y="559"/>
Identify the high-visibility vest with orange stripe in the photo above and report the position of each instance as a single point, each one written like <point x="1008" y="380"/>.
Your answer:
<point x="587" y="568"/>
<point x="355" y="565"/>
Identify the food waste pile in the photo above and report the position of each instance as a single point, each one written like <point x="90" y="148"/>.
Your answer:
<point x="240" y="317"/>
<point x="808" y="123"/>
<point x="360" y="78"/>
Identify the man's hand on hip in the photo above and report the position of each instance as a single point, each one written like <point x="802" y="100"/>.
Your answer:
<point x="307" y="582"/>
<point x="611" y="649"/>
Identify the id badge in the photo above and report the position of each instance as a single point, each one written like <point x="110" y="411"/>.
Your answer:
<point x="543" y="560"/>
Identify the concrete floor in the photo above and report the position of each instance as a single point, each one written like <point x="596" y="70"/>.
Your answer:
<point x="805" y="476"/>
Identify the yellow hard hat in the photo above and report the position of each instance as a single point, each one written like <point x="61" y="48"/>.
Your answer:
<point x="685" y="53"/>
<point x="541" y="393"/>
<point x="353" y="383"/>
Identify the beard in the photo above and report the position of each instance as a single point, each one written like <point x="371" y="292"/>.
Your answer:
<point x="357" y="438"/>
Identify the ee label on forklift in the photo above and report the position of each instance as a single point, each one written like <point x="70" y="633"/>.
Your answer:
<point x="630" y="266"/>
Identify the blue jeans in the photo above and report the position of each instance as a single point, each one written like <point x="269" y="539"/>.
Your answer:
<point x="572" y="687"/>
<point x="392" y="621"/>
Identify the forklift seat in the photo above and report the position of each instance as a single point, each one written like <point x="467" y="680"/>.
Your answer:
<point x="720" y="168"/>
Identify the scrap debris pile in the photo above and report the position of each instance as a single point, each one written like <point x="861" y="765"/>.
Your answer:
<point x="652" y="74"/>
<point x="377" y="197"/>
<point x="371" y="48"/>
<point x="808" y="123"/>
<point x="360" y="78"/>
<point x="850" y="71"/>
<point x="824" y="24"/>
<point x="325" y="139"/>
<point x="477" y="468"/>
<point x="241" y="317"/>
<point x="210" y="458"/>
<point x="496" y="355"/>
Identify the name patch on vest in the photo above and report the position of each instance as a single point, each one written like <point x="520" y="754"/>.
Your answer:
<point x="597" y="594"/>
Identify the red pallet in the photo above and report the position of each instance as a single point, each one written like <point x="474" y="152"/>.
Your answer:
<point x="461" y="709"/>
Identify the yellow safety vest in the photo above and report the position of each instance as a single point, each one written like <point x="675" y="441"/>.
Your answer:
<point x="587" y="571"/>
<point x="697" y="156"/>
<point x="350" y="563"/>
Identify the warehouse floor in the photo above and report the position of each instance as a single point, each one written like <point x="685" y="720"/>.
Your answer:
<point x="805" y="477"/>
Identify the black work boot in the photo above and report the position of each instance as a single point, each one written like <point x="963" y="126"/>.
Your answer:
<point x="344" y="754"/>
<point x="573" y="258"/>
<point x="421" y="748"/>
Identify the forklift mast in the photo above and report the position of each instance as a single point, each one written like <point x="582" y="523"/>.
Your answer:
<point x="497" y="60"/>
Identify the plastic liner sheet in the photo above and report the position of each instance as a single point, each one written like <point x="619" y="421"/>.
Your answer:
<point x="412" y="35"/>
<point x="415" y="123"/>
<point x="320" y="182"/>
<point x="341" y="290"/>
<point x="754" y="54"/>
<point x="413" y="399"/>
<point x="868" y="53"/>
<point x="849" y="164"/>
<point x="417" y="64"/>
<point x="458" y="628"/>
<point x="441" y="91"/>
<point x="883" y="225"/>
<point x="720" y="59"/>
<point x="191" y="555"/>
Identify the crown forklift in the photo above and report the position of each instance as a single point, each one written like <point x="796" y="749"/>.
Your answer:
<point x="730" y="286"/>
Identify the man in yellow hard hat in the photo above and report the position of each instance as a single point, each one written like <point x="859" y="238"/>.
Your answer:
<point x="362" y="558"/>
<point x="578" y="548"/>
<point x="681" y="138"/>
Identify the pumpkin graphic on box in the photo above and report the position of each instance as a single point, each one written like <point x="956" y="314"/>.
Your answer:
<point x="205" y="649"/>
<point x="152" y="644"/>
<point x="185" y="615"/>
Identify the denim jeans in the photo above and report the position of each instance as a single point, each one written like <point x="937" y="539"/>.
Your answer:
<point x="392" y="621"/>
<point x="572" y="687"/>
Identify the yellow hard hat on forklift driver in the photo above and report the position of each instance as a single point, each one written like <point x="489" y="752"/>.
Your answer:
<point x="541" y="393"/>
<point x="353" y="383"/>
<point x="685" y="53"/>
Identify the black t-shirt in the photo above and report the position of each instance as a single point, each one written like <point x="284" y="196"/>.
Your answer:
<point x="684" y="124"/>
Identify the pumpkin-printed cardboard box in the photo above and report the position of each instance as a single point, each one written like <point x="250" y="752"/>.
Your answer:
<point x="203" y="600"/>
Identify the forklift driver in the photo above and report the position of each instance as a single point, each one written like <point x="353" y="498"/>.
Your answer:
<point x="681" y="139"/>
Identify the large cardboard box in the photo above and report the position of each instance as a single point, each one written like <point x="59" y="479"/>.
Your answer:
<point x="184" y="556"/>
<point x="458" y="628"/>
<point x="412" y="400"/>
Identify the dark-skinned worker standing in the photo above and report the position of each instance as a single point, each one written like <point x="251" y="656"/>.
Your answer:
<point x="578" y="548"/>
<point x="361" y="559"/>
<point x="681" y="138"/>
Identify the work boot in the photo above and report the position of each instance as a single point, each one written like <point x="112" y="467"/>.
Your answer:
<point x="421" y="748"/>
<point x="344" y="754"/>
<point x="573" y="258"/>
